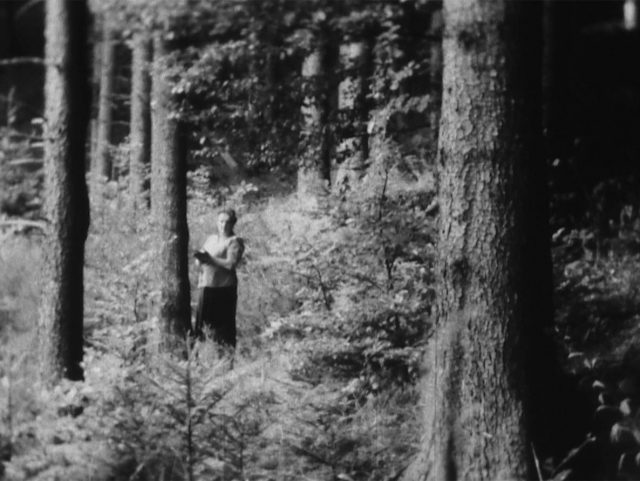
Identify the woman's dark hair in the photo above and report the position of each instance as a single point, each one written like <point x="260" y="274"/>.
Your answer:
<point x="232" y="215"/>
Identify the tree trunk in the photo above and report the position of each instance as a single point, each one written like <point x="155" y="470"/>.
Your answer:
<point x="435" y="79"/>
<point x="96" y="62"/>
<point x="67" y="100"/>
<point x="169" y="208"/>
<point x="107" y="69"/>
<point x="140" y="123"/>
<point x="314" y="171"/>
<point x="489" y="287"/>
<point x="352" y="105"/>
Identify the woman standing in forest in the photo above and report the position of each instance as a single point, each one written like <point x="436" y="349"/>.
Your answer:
<point x="218" y="282"/>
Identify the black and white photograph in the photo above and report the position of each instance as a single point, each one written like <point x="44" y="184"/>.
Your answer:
<point x="319" y="240"/>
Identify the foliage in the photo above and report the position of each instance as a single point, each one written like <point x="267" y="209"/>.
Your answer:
<point x="366" y="291"/>
<point x="118" y="276"/>
<point x="19" y="296"/>
<point x="236" y="68"/>
<point x="597" y="304"/>
<point x="131" y="414"/>
<point x="172" y="420"/>
<point x="341" y="440"/>
<point x="21" y="176"/>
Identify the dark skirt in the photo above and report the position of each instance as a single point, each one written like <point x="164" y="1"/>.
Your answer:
<point x="216" y="311"/>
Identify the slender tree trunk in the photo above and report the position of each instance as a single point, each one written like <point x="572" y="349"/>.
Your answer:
<point x="476" y="396"/>
<point x="169" y="208"/>
<point x="96" y="62"/>
<point x="273" y="84"/>
<point x="377" y="133"/>
<point x="314" y="171"/>
<point x="352" y="105"/>
<point x="435" y="78"/>
<point x="105" y="115"/>
<point x="140" y="121"/>
<point x="67" y="100"/>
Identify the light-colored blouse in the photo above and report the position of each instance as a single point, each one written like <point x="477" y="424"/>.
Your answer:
<point x="231" y="249"/>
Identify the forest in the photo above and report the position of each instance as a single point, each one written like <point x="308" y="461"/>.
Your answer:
<point x="435" y="269"/>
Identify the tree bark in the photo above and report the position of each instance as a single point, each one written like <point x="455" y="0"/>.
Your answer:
<point x="169" y="208"/>
<point x="105" y="115"/>
<point x="314" y="171"/>
<point x="67" y="100"/>
<point x="489" y="288"/>
<point x="140" y="124"/>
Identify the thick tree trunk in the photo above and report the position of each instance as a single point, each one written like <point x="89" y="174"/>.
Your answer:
<point x="140" y="123"/>
<point x="102" y="164"/>
<point x="488" y="286"/>
<point x="67" y="100"/>
<point x="169" y="208"/>
<point x="352" y="104"/>
<point x="314" y="171"/>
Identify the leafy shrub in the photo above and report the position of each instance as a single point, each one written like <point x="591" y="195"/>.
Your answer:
<point x="365" y="274"/>
<point x="171" y="422"/>
<point x="21" y="179"/>
<point x="598" y="302"/>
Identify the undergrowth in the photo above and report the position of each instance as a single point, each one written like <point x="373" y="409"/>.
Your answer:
<point x="334" y="308"/>
<point x="333" y="304"/>
<point x="597" y="306"/>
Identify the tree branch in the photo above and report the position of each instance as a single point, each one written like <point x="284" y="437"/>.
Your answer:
<point x="21" y="61"/>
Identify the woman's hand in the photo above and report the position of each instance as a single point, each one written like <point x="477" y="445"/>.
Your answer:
<point x="202" y="257"/>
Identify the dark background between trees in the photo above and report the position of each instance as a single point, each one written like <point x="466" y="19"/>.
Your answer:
<point x="402" y="299"/>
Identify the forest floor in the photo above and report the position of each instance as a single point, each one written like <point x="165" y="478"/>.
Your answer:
<point x="334" y="308"/>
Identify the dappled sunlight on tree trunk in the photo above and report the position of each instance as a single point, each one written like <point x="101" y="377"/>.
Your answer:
<point x="102" y="169"/>
<point x="476" y="396"/>
<point x="353" y="148"/>
<point x="140" y="123"/>
<point x="169" y="208"/>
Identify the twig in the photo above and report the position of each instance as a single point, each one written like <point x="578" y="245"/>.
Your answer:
<point x="537" y="462"/>
<point x="323" y="288"/>
<point x="21" y="223"/>
<point x="311" y="454"/>
<point x="190" y="446"/>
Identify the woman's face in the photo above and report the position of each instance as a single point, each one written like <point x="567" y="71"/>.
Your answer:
<point x="225" y="226"/>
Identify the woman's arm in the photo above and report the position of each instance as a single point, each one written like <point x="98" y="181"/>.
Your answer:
<point x="234" y="253"/>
